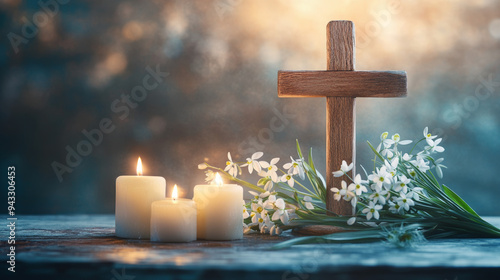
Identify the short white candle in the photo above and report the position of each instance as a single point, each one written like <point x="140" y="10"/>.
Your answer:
<point x="134" y="195"/>
<point x="173" y="219"/>
<point x="219" y="211"/>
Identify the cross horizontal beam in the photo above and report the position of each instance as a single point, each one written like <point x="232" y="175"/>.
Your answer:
<point x="342" y="83"/>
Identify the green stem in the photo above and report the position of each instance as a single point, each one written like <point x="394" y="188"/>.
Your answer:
<point x="234" y="179"/>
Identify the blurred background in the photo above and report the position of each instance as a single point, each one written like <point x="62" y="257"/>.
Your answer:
<point x="66" y="66"/>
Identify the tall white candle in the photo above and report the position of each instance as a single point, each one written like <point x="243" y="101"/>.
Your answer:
<point x="219" y="211"/>
<point x="134" y="196"/>
<point x="173" y="219"/>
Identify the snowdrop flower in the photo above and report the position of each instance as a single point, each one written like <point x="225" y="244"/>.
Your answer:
<point x="380" y="178"/>
<point x="253" y="163"/>
<point x="427" y="135"/>
<point x="392" y="167"/>
<point x="403" y="236"/>
<point x="372" y="210"/>
<point x="351" y="221"/>
<point x="210" y="176"/>
<point x="308" y="202"/>
<point x="433" y="145"/>
<point x="407" y="157"/>
<point x="402" y="184"/>
<point x="288" y="178"/>
<point x="344" y="168"/>
<point x="280" y="212"/>
<point x="202" y="166"/>
<point x="342" y="192"/>
<point x="405" y="202"/>
<point x="255" y="194"/>
<point x="295" y="168"/>
<point x="414" y="193"/>
<point x="421" y="164"/>
<point x="396" y="139"/>
<point x="395" y="208"/>
<point x="378" y="196"/>
<point x="231" y="167"/>
<point x="357" y="185"/>
<point x="271" y="169"/>
<point x="269" y="185"/>
<point x="438" y="166"/>
<point x="245" y="212"/>
<point x="275" y="230"/>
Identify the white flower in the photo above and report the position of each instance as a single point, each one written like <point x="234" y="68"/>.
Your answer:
<point x="245" y="212"/>
<point x="231" y="167"/>
<point x="295" y="168"/>
<point x="395" y="208"/>
<point x="372" y="210"/>
<point x="433" y="145"/>
<point x="427" y="135"/>
<point x="421" y="164"/>
<point x="405" y="202"/>
<point x="439" y="166"/>
<point x="357" y="186"/>
<point x="396" y="139"/>
<point x="402" y="184"/>
<point x="342" y="192"/>
<point x="381" y="177"/>
<point x="288" y="178"/>
<point x="414" y="193"/>
<point x="210" y="176"/>
<point x="269" y="185"/>
<point x="407" y="157"/>
<point x="202" y="166"/>
<point x="252" y="162"/>
<point x="280" y="212"/>
<point x="392" y="167"/>
<point x="344" y="168"/>
<point x="378" y="196"/>
<point x="351" y="221"/>
<point x="255" y="195"/>
<point x="271" y="169"/>
<point x="308" y="202"/>
<point x="275" y="230"/>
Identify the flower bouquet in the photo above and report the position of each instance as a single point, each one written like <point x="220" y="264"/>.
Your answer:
<point x="400" y="200"/>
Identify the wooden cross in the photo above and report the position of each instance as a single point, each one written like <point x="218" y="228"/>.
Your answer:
<point x="340" y="84"/>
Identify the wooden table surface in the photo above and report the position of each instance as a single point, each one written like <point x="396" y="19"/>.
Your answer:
<point x="84" y="247"/>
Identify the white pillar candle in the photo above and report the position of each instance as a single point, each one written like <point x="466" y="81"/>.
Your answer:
<point x="219" y="211"/>
<point x="134" y="195"/>
<point x="173" y="219"/>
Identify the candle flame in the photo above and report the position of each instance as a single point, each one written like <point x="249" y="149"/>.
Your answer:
<point x="218" y="179"/>
<point x="175" y="196"/>
<point x="139" y="167"/>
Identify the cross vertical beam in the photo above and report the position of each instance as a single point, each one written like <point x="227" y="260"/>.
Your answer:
<point x="341" y="85"/>
<point x="340" y="112"/>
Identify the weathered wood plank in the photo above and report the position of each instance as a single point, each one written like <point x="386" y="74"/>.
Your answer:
<point x="340" y="112"/>
<point x="342" y="83"/>
<point x="84" y="247"/>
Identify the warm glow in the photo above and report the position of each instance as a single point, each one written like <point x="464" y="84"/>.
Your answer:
<point x="218" y="179"/>
<point x="139" y="167"/>
<point x="175" y="196"/>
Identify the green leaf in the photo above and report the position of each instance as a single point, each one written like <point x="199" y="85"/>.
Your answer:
<point x="299" y="152"/>
<point x="455" y="197"/>
<point x="375" y="151"/>
<point x="340" y="237"/>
